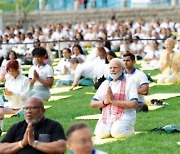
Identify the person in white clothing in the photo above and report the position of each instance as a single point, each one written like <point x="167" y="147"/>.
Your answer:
<point x="79" y="140"/>
<point x="83" y="73"/>
<point x="40" y="75"/>
<point x="140" y="79"/>
<point x="11" y="56"/>
<point x="118" y="99"/>
<point x="16" y="90"/>
<point x="78" y="53"/>
<point x="63" y="69"/>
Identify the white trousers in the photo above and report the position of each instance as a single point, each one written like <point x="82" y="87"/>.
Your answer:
<point x="167" y="79"/>
<point x="117" y="129"/>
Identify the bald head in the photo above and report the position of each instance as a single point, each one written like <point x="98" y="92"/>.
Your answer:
<point x="34" y="110"/>
<point x="35" y="101"/>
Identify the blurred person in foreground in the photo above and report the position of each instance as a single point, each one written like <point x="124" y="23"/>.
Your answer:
<point x="118" y="99"/>
<point x="36" y="134"/>
<point x="79" y="140"/>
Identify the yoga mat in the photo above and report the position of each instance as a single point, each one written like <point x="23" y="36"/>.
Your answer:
<point x="54" y="98"/>
<point x="139" y="61"/>
<point x="56" y="90"/>
<point x="154" y="107"/>
<point x="8" y="115"/>
<point x="25" y="72"/>
<point x="3" y="133"/>
<point x="56" y="77"/>
<point x="98" y="141"/>
<point x="89" y="117"/>
<point x="159" y="84"/>
<point x="54" y="63"/>
<point x="25" y="66"/>
<point x="147" y="68"/>
<point x="47" y="106"/>
<point x="161" y="96"/>
<point x="89" y="93"/>
<point x="155" y="77"/>
<point x="56" y="60"/>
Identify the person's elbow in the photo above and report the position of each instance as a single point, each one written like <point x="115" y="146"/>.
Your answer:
<point x="92" y="104"/>
<point x="62" y="147"/>
<point x="134" y="104"/>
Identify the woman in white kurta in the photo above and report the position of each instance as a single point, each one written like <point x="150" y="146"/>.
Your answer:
<point x="16" y="88"/>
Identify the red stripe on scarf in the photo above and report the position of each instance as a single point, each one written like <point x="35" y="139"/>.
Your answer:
<point x="112" y="110"/>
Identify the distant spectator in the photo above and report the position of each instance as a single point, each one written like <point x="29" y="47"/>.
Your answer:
<point x="169" y="64"/>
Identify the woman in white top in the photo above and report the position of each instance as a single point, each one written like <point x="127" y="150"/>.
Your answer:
<point x="11" y="56"/>
<point x="78" y="53"/>
<point x="16" y="88"/>
<point x="40" y="75"/>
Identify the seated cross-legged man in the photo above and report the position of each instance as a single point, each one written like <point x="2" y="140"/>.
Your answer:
<point x="118" y="99"/>
<point x="36" y="134"/>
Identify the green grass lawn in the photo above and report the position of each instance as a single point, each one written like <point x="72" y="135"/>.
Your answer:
<point x="66" y="110"/>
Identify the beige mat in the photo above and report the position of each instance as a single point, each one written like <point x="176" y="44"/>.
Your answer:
<point x="147" y="68"/>
<point x="25" y="72"/>
<point x="161" y="96"/>
<point x="89" y="117"/>
<point x="159" y="84"/>
<point x="25" y="66"/>
<point x="3" y="133"/>
<point x="56" y="77"/>
<point x="47" y="106"/>
<point x="8" y="115"/>
<point x="98" y="141"/>
<point x="56" y="60"/>
<point x="55" y="98"/>
<point x="89" y="93"/>
<point x="154" y="107"/>
<point x="155" y="77"/>
<point x="56" y="90"/>
<point x="54" y="63"/>
<point x="139" y="61"/>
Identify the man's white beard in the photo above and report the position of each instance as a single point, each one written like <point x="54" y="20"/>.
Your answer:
<point x="34" y="121"/>
<point x="115" y="76"/>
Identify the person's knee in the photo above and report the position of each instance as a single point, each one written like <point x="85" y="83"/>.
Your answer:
<point x="101" y="132"/>
<point x="171" y="80"/>
<point x="122" y="131"/>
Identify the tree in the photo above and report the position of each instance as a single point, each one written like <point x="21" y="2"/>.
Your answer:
<point x="20" y="7"/>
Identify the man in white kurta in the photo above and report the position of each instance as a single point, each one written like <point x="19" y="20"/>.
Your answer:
<point x="118" y="99"/>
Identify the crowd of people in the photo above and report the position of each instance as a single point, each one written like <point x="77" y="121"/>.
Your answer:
<point x="87" y="54"/>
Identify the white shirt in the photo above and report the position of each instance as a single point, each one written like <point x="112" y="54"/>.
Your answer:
<point x="45" y="71"/>
<point x="139" y="78"/>
<point x="130" y="92"/>
<point x="20" y="87"/>
<point x="60" y="69"/>
<point x="85" y="70"/>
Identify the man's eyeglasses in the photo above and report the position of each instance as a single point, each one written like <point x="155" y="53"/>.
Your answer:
<point x="31" y="108"/>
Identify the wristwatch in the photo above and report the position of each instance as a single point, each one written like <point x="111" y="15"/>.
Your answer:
<point x="35" y="143"/>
